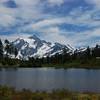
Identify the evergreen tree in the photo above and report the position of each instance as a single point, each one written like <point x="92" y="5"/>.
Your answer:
<point x="65" y="55"/>
<point x="7" y="47"/>
<point x="97" y="46"/>
<point x="88" y="52"/>
<point x="10" y="48"/>
<point x="16" y="52"/>
<point x="75" y="54"/>
<point x="96" y="51"/>
<point x="48" y="60"/>
<point x="7" y="42"/>
<point x="1" y="49"/>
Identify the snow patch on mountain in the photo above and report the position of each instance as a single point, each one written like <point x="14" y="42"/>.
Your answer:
<point x="35" y="47"/>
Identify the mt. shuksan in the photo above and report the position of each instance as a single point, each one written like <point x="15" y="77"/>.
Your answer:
<point x="35" y="47"/>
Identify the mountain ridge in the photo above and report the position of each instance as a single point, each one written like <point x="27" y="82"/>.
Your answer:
<point x="35" y="47"/>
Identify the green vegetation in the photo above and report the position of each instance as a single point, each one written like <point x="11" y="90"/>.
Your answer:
<point x="11" y="94"/>
<point x="87" y="64"/>
<point x="15" y="63"/>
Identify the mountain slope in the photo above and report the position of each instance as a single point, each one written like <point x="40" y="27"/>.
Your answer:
<point x="35" y="47"/>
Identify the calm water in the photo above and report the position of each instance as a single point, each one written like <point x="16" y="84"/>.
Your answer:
<point x="48" y="79"/>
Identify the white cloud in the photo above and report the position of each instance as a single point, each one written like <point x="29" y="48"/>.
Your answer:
<point x="27" y="2"/>
<point x="2" y="1"/>
<point x="96" y="3"/>
<point x="56" y="2"/>
<point x="26" y="11"/>
<point x="76" y="17"/>
<point x="55" y="34"/>
<point x="48" y="22"/>
<point x="86" y="38"/>
<point x="6" y="20"/>
<point x="13" y="37"/>
<point x="48" y="27"/>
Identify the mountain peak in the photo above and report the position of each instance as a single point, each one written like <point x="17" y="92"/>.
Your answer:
<point x="34" y="47"/>
<point x="34" y="37"/>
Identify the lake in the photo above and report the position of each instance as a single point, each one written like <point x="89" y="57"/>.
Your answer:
<point x="48" y="79"/>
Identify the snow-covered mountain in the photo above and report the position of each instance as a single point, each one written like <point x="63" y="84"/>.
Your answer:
<point x="35" y="47"/>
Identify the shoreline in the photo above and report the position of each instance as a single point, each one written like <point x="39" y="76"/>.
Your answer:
<point x="75" y="67"/>
<point x="7" y="93"/>
<point x="55" y="66"/>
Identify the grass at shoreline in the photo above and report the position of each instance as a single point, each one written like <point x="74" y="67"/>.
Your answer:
<point x="56" y="66"/>
<point x="67" y="66"/>
<point x="90" y="64"/>
<point x="7" y="93"/>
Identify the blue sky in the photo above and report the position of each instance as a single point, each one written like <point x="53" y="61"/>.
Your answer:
<point x="74" y="22"/>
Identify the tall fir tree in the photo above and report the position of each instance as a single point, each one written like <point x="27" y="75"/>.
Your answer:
<point x="7" y="47"/>
<point x="1" y="49"/>
<point x="88" y="52"/>
<point x="16" y="52"/>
